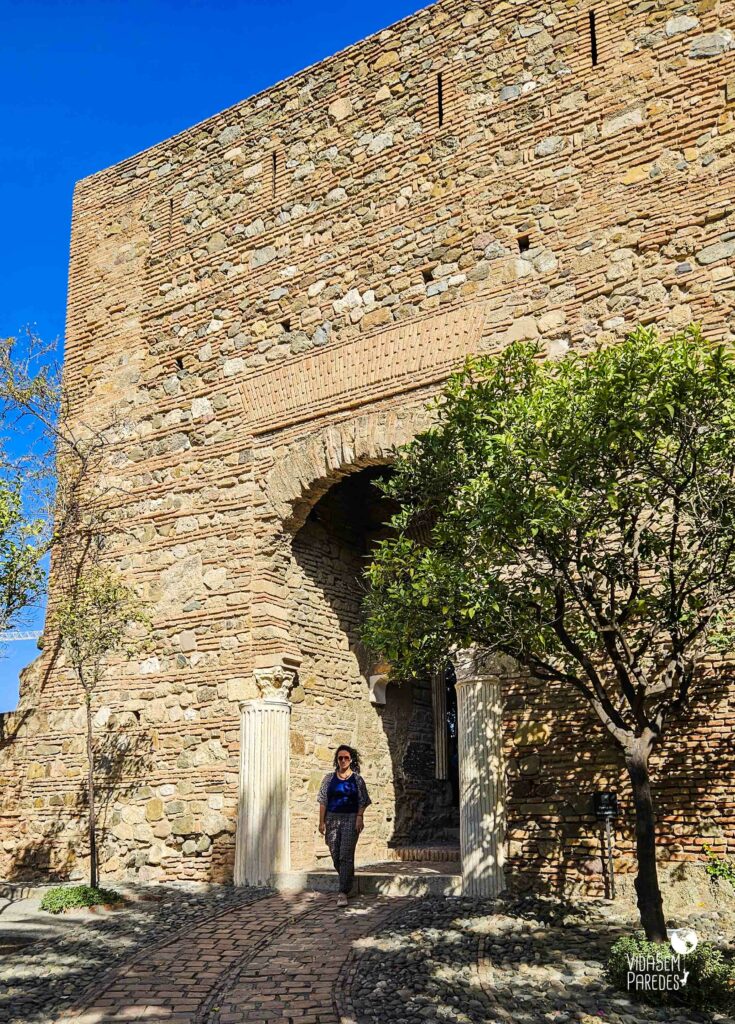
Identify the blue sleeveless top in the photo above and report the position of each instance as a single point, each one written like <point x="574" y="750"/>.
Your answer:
<point x="342" y="795"/>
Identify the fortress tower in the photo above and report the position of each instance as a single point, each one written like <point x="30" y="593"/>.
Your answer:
<point x="259" y="310"/>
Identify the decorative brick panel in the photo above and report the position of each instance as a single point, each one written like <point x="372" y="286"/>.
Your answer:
<point x="374" y="367"/>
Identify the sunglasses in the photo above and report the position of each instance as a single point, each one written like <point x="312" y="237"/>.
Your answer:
<point x="345" y="757"/>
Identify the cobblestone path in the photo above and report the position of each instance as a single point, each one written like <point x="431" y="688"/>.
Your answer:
<point x="49" y="963"/>
<point x="256" y="957"/>
<point x="277" y="959"/>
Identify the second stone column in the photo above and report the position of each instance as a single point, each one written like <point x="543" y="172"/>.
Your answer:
<point x="481" y="775"/>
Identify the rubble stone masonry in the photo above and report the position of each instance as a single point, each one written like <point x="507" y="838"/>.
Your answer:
<point x="263" y="304"/>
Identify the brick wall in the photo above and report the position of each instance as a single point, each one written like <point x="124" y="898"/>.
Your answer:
<point x="264" y="302"/>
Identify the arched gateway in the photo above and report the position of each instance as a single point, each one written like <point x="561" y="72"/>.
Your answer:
<point x="317" y="516"/>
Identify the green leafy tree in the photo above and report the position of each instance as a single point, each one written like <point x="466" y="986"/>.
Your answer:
<point x="578" y="516"/>
<point x="100" y="616"/>
<point x="45" y="466"/>
<point x="55" y="455"/>
<point x="26" y="475"/>
<point x="22" y="546"/>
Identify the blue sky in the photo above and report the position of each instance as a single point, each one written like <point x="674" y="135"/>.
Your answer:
<point x="86" y="84"/>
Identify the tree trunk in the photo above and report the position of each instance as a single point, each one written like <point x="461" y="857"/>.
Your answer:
<point x="650" y="905"/>
<point x="90" y="800"/>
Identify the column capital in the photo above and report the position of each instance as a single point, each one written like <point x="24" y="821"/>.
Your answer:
<point x="378" y="680"/>
<point x="473" y="663"/>
<point x="276" y="681"/>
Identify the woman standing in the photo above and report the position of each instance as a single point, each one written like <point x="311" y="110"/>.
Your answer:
<point x="342" y="799"/>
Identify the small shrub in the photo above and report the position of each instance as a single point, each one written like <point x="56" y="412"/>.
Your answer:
<point x="719" y="867"/>
<point x="702" y="980"/>
<point x="69" y="897"/>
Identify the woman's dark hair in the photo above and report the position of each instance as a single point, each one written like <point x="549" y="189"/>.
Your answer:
<point x="355" y="762"/>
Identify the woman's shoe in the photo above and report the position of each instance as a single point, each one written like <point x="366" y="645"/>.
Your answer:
<point x="342" y="900"/>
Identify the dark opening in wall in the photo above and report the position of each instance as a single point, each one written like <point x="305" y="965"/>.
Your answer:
<point x="428" y="274"/>
<point x="274" y="173"/>
<point x="440" y="98"/>
<point x="137" y="715"/>
<point x="593" y="38"/>
<point x="179" y="362"/>
<point x="286" y="326"/>
<point x="524" y="243"/>
<point x="170" y="219"/>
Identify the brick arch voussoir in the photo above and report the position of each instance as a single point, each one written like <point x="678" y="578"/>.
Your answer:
<point x="308" y="470"/>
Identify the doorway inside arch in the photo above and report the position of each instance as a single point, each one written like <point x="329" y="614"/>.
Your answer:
<point x="414" y="804"/>
<point x="450" y="681"/>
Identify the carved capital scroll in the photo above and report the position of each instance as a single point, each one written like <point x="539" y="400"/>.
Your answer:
<point x="276" y="682"/>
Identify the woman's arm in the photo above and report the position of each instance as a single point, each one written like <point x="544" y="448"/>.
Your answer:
<point x="323" y="799"/>
<point x="364" y="800"/>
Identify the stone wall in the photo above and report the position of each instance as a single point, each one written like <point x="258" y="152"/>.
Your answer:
<point x="263" y="303"/>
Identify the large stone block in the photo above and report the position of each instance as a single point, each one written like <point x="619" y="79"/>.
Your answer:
<point x="532" y="734"/>
<point x="154" y="809"/>
<point x="712" y="44"/>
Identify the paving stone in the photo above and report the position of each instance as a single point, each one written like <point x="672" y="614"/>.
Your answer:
<point x="78" y="953"/>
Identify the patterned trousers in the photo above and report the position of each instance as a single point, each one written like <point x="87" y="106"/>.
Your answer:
<point x="341" y="837"/>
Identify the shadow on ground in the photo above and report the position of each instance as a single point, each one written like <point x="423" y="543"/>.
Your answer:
<point x="49" y="962"/>
<point x="474" y="962"/>
<point x="456" y="961"/>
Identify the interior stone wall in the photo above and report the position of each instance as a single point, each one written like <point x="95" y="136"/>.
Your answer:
<point x="326" y="586"/>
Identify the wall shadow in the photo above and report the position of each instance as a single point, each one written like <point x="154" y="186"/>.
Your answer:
<point x="558" y="754"/>
<point x="123" y="760"/>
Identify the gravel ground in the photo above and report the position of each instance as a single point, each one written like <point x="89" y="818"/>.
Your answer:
<point x="47" y="962"/>
<point x="528" y="961"/>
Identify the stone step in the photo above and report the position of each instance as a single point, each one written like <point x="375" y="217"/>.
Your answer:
<point x="439" y="878"/>
<point x="439" y="851"/>
<point x="14" y="891"/>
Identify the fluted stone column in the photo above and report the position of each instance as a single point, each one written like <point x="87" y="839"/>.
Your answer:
<point x="262" y="845"/>
<point x="439" y="713"/>
<point x="481" y="775"/>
